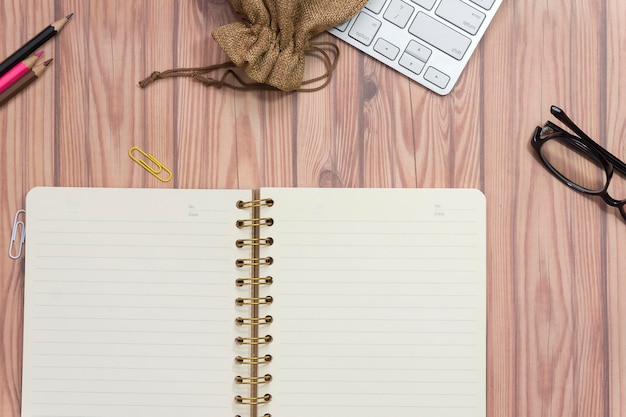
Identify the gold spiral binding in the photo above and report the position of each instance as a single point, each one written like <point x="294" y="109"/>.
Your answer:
<point x="255" y="222"/>
<point x="254" y="380"/>
<point x="267" y="202"/>
<point x="254" y="301"/>
<point x="242" y="301"/>
<point x="253" y="360"/>
<point x="253" y="321"/>
<point x="254" y="281"/>
<point x="262" y="241"/>
<point x="253" y="400"/>
<point x="268" y="260"/>
<point x="254" y="340"/>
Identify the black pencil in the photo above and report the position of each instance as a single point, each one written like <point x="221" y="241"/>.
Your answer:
<point x="32" y="45"/>
<point x="23" y="82"/>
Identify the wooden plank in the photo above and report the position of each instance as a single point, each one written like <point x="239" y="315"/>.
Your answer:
<point x="614" y="133"/>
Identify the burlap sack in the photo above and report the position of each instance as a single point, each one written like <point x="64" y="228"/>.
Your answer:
<point x="270" y="41"/>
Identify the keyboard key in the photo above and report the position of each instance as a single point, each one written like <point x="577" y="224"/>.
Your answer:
<point x="343" y="26"/>
<point x="440" y="36"/>
<point x="461" y="15"/>
<point x="386" y="49"/>
<point x="365" y="28"/>
<point x="418" y="51"/>
<point x="375" y="6"/>
<point x="436" y="77"/>
<point x="426" y="4"/>
<point x="485" y="4"/>
<point x="398" y="13"/>
<point x="411" y="63"/>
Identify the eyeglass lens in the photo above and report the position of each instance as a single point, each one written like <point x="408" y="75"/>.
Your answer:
<point x="577" y="166"/>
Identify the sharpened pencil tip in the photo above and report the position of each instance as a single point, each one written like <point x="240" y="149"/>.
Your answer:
<point x="69" y="16"/>
<point x="46" y="63"/>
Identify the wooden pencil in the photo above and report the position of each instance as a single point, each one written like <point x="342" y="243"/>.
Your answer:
<point x="18" y="71"/>
<point x="32" y="45"/>
<point x="24" y="81"/>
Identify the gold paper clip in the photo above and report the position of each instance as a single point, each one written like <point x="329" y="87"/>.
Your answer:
<point x="19" y="226"/>
<point x="155" y="167"/>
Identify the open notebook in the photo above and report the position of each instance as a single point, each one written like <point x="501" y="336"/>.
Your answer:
<point x="281" y="302"/>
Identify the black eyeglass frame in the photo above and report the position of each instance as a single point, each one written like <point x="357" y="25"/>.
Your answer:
<point x="584" y="145"/>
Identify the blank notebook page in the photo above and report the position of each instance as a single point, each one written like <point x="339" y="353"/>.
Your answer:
<point x="129" y="302"/>
<point x="379" y="302"/>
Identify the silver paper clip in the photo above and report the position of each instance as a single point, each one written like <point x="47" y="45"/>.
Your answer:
<point x="15" y="250"/>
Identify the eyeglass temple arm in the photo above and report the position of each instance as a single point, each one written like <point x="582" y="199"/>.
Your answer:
<point x="617" y="163"/>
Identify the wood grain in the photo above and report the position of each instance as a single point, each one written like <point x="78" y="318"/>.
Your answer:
<point x="556" y="327"/>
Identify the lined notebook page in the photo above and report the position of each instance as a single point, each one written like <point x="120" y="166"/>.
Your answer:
<point x="379" y="302"/>
<point x="129" y="302"/>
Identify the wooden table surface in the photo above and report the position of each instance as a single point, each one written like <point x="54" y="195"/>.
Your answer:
<point x="556" y="306"/>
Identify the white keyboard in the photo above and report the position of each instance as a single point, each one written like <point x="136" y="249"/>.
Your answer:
<point x="430" y="41"/>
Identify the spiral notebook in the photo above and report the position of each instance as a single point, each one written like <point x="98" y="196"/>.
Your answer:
<point x="273" y="302"/>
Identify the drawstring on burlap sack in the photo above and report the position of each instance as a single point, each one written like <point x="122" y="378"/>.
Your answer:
<point x="270" y="43"/>
<point x="231" y="79"/>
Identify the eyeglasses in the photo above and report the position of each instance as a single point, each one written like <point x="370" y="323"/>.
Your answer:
<point x="577" y="161"/>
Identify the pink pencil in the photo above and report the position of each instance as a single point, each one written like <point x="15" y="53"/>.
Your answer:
<point x="18" y="71"/>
